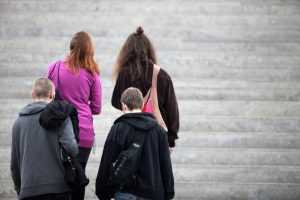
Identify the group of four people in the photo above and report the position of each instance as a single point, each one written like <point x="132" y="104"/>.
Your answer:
<point x="36" y="166"/>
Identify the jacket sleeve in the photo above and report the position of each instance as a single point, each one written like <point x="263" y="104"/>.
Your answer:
<point x="120" y="87"/>
<point x="172" y="113"/>
<point x="14" y="163"/>
<point x="166" y="166"/>
<point x="96" y="96"/>
<point x="67" y="138"/>
<point x="109" y="155"/>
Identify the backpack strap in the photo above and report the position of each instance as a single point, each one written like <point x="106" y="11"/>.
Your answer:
<point x="142" y="138"/>
<point x="52" y="71"/>
<point x="154" y="98"/>
<point x="58" y="69"/>
<point x="58" y="81"/>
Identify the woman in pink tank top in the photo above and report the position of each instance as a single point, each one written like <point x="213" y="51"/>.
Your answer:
<point x="134" y="68"/>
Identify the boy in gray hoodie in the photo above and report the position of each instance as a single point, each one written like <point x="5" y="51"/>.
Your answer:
<point x="36" y="166"/>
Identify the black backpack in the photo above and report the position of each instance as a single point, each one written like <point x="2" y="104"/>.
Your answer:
<point x="74" y="173"/>
<point x="123" y="170"/>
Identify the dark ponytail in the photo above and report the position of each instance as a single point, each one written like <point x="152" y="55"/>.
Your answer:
<point x="139" y="31"/>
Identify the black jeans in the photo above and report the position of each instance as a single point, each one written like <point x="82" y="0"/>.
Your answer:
<point x="82" y="157"/>
<point x="63" y="196"/>
<point x="79" y="193"/>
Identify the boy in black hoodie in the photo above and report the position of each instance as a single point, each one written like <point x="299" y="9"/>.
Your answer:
<point x="154" y="176"/>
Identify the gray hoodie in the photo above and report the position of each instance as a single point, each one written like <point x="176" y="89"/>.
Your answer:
<point x="36" y="166"/>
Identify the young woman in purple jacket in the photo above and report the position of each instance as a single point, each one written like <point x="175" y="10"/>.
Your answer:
<point x="77" y="80"/>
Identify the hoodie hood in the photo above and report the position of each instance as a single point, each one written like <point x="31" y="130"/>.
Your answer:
<point x="33" y="108"/>
<point x="54" y="114"/>
<point x="140" y="121"/>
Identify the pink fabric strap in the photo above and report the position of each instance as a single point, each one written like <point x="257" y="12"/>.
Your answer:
<point x="151" y="99"/>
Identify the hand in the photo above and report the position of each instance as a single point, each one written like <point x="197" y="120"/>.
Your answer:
<point x="164" y="126"/>
<point x="171" y="149"/>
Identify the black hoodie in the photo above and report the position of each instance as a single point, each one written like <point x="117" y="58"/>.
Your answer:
<point x="154" y="171"/>
<point x="165" y="93"/>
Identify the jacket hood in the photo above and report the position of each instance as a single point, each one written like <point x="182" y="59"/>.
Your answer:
<point x="140" y="121"/>
<point x="55" y="113"/>
<point x="33" y="108"/>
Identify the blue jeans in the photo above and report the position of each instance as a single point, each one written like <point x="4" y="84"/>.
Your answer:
<point x="126" y="196"/>
<point x="63" y="196"/>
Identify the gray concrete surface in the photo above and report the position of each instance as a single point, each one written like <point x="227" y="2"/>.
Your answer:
<point x="236" y="70"/>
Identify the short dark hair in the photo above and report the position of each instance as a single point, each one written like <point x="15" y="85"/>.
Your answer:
<point x="133" y="98"/>
<point x="43" y="87"/>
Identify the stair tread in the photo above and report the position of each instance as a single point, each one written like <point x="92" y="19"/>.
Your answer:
<point x="235" y="69"/>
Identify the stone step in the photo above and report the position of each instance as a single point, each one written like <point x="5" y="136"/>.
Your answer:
<point x="12" y="110"/>
<point x="239" y="124"/>
<point x="60" y="45"/>
<point x="292" y="73"/>
<point x="187" y="7"/>
<point x="189" y="58"/>
<point x="206" y="123"/>
<point x="151" y="19"/>
<point x="197" y="173"/>
<point x="204" y="35"/>
<point x="212" y="156"/>
<point x="187" y="107"/>
<point x="227" y="191"/>
<point x="205" y="191"/>
<point x="106" y="66"/>
<point x="232" y="140"/>
<point x="235" y="69"/>
<point x="238" y="94"/>
<point x="245" y="109"/>
<point x="179" y="83"/>
<point x="211" y="70"/>
<point x="263" y="140"/>
<point x="12" y="107"/>
<point x="231" y="84"/>
<point x="192" y="89"/>
<point x="200" y="174"/>
<point x="261" y="74"/>
<point x="236" y="74"/>
<point x="222" y="94"/>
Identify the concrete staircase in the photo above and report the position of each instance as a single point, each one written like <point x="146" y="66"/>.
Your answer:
<point x="236" y="71"/>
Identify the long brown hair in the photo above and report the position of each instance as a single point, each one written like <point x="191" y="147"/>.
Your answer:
<point x="137" y="49"/>
<point x="82" y="54"/>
